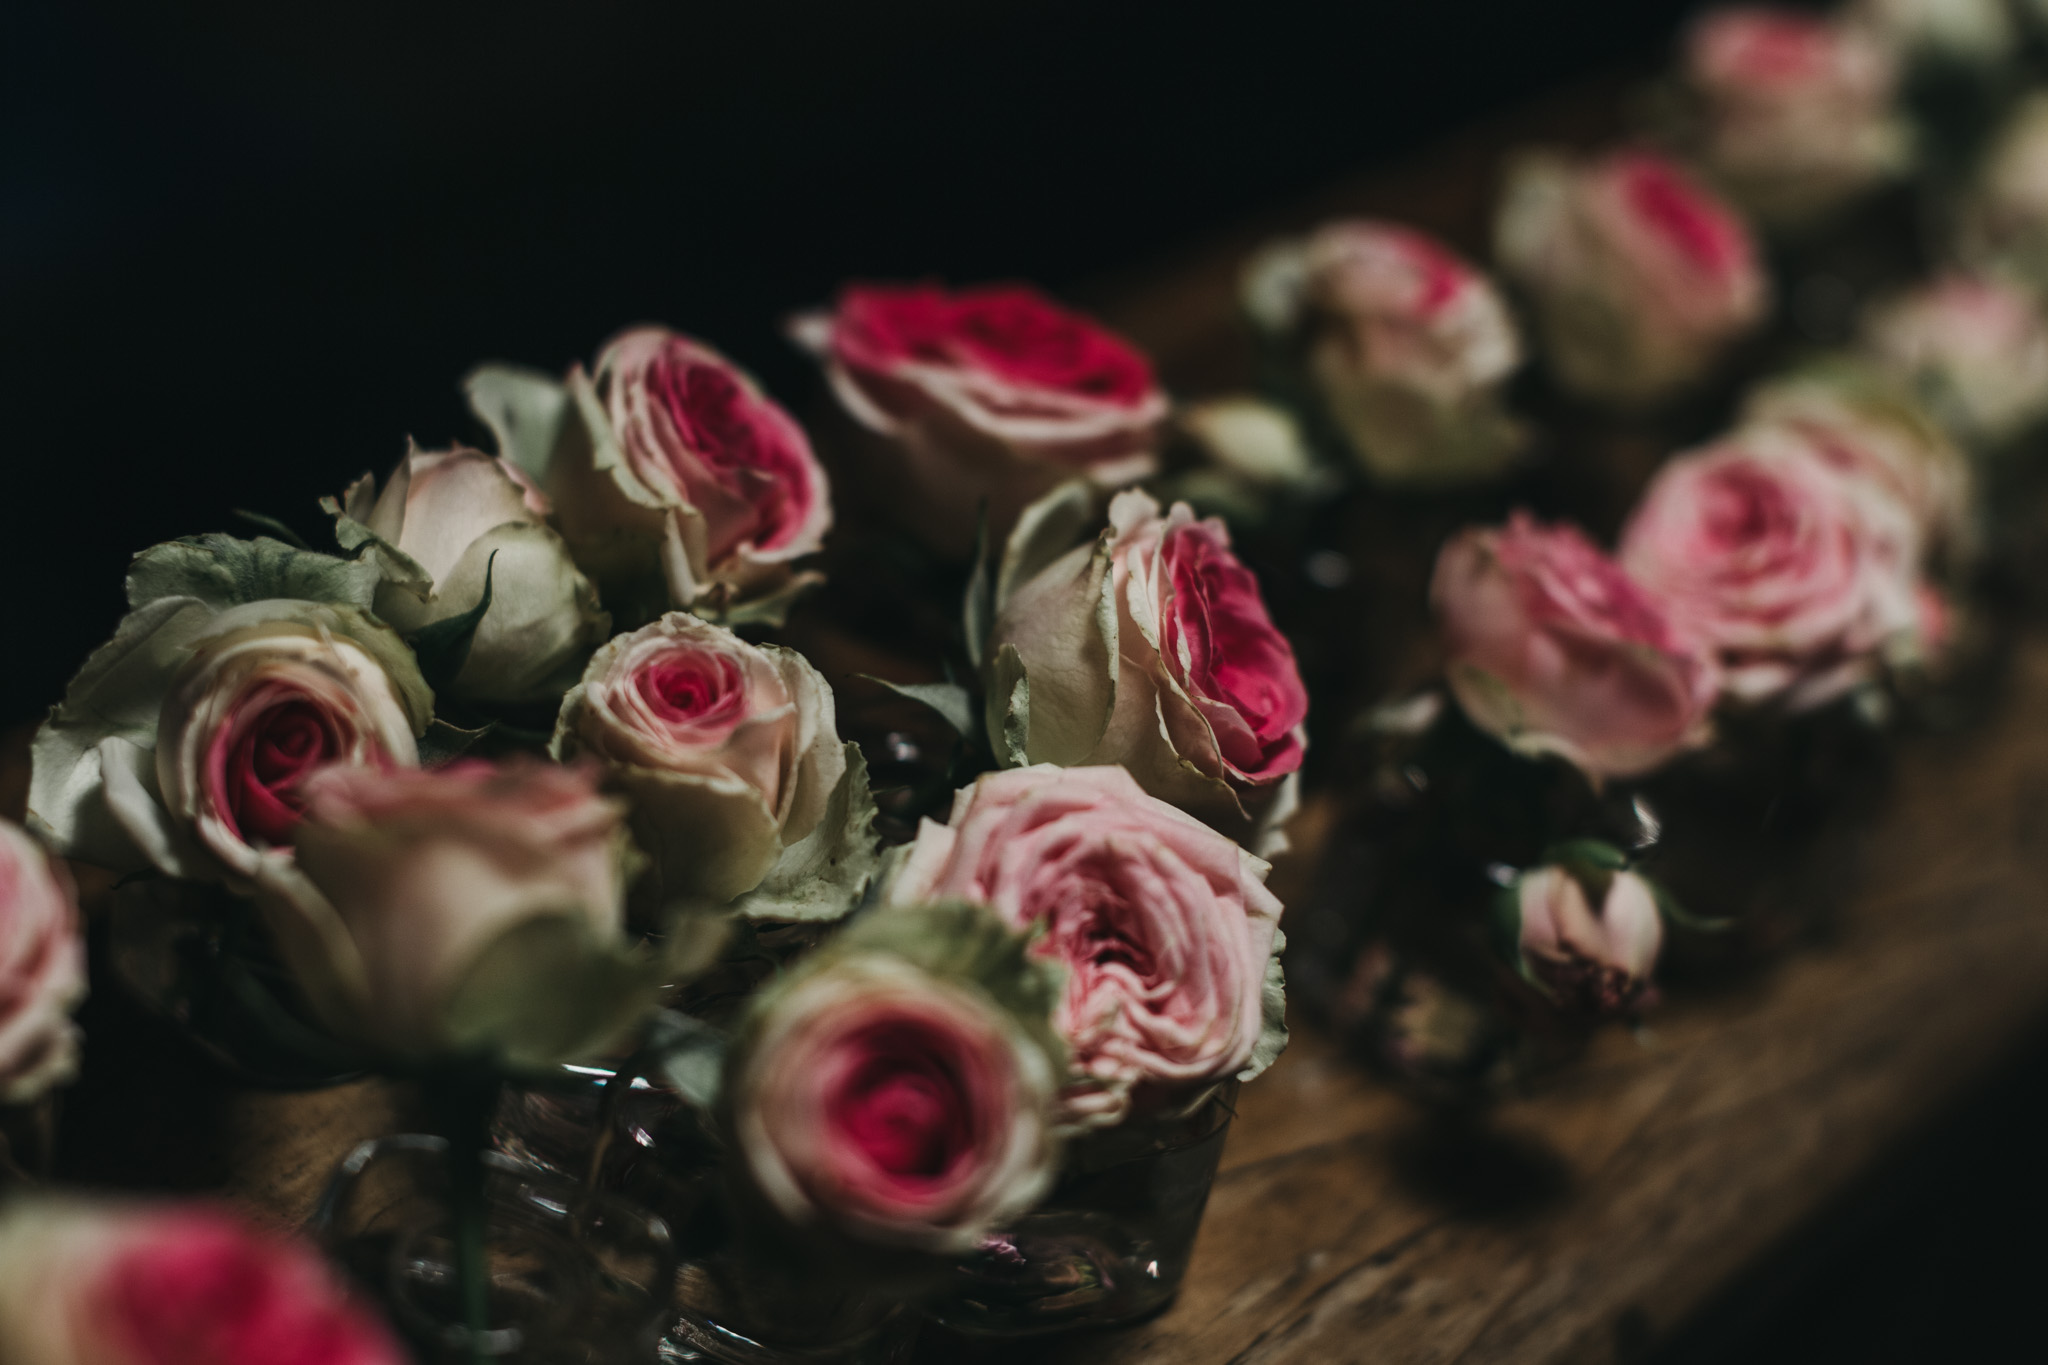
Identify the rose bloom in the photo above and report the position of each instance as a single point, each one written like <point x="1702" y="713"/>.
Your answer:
<point x="1798" y="576"/>
<point x="2004" y="218"/>
<point x="1150" y="648"/>
<point x="1796" y="109"/>
<point x="1553" y="649"/>
<point x="1595" y="961"/>
<point x="1165" y="928"/>
<point x="466" y="909"/>
<point x="668" y="457"/>
<point x="1975" y="348"/>
<point x="729" y="752"/>
<point x="1408" y="343"/>
<point x="42" y="969"/>
<point x="1858" y="421"/>
<point x="991" y="394"/>
<point x="212" y="719"/>
<point x="891" y="1105"/>
<point x="1640" y="277"/>
<point x="173" y="1284"/>
<point x="452" y="515"/>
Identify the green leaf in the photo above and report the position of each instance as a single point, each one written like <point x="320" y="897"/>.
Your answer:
<point x="444" y="743"/>
<point x="769" y="609"/>
<point x="822" y="876"/>
<point x="393" y="564"/>
<point x="223" y="571"/>
<point x="1009" y="708"/>
<point x="525" y="409"/>
<point x="276" y="528"/>
<point x="978" y="610"/>
<point x="1272" y="1015"/>
<point x="687" y="1053"/>
<point x="1597" y="853"/>
<point x="443" y="646"/>
<point x="1504" y="924"/>
<point x="1679" y="917"/>
<point x="954" y="703"/>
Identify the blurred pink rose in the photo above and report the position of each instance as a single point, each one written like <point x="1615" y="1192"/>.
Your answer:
<point x="992" y="393"/>
<point x="42" y="969"/>
<point x="728" y="751"/>
<point x="1165" y="928"/>
<point x="1640" y="276"/>
<point x="1553" y="649"/>
<point x="1596" y="960"/>
<point x="1409" y="344"/>
<point x="892" y="1105"/>
<point x="1797" y="109"/>
<point x="86" y="1284"/>
<point x="452" y="515"/>
<point x="1975" y="349"/>
<point x="1860" y="423"/>
<point x="428" y="911"/>
<point x="1797" y="575"/>
<point x="1153" y="649"/>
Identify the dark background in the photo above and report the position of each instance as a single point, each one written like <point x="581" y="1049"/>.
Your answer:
<point x="247" y="247"/>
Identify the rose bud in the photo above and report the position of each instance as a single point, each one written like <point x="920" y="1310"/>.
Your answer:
<point x="987" y="395"/>
<point x="897" y="1087"/>
<point x="668" y="456"/>
<point x="1798" y="575"/>
<point x="1593" y="961"/>
<point x="1166" y="931"/>
<point x="1149" y="648"/>
<point x="465" y="910"/>
<point x="444" y="521"/>
<point x="1861" y="424"/>
<point x="1796" y="112"/>
<point x="182" y="744"/>
<point x="42" y="969"/>
<point x="2004" y="217"/>
<point x="1640" y="277"/>
<point x="1974" y="348"/>
<point x="1408" y="344"/>
<point x="731" y="758"/>
<point x="1553" y="649"/>
<point x="172" y="1284"/>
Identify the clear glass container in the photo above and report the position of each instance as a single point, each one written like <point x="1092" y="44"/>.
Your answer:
<point x="575" y="1276"/>
<point x="1110" y="1244"/>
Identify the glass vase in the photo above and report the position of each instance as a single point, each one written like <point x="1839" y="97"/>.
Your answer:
<point x="1110" y="1244"/>
<point x="574" y="1276"/>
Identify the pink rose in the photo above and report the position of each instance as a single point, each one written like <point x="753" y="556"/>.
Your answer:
<point x="890" y="1102"/>
<point x="444" y="519"/>
<point x="270" y="693"/>
<point x="1975" y="348"/>
<point x="1150" y="648"/>
<point x="1554" y="650"/>
<point x="85" y="1284"/>
<point x="1797" y="115"/>
<point x="1167" y="933"/>
<point x="428" y="910"/>
<point x="42" y="969"/>
<point x="730" y="755"/>
<point x="1857" y="420"/>
<point x="1595" y="961"/>
<point x="1796" y="575"/>
<point x="1409" y="344"/>
<point x="1641" y="278"/>
<point x="992" y="393"/>
<point x="668" y="457"/>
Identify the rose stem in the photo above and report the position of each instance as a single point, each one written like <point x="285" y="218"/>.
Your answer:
<point x="471" y="1099"/>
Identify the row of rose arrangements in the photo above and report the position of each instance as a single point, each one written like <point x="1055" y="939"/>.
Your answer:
<point x="1069" y="950"/>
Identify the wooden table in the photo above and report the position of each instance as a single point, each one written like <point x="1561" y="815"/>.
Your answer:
<point x="1587" y="1220"/>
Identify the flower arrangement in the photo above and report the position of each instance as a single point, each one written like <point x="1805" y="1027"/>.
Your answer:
<point x="542" y="780"/>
